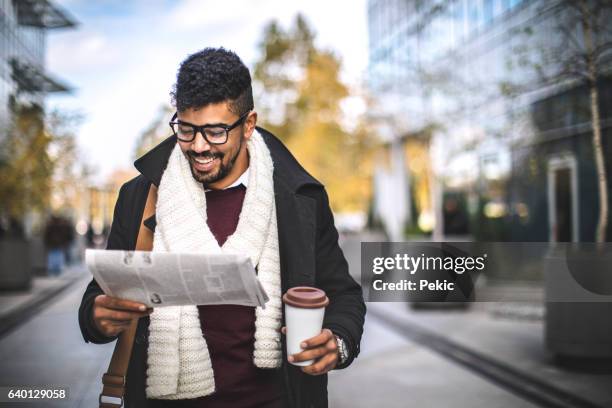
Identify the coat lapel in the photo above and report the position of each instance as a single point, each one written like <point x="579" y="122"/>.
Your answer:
<point x="296" y="216"/>
<point x="296" y="238"/>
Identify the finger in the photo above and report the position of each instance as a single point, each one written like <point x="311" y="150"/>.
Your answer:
<point x="317" y="340"/>
<point x="284" y="330"/>
<point x="115" y="314"/>
<point x="117" y="324"/>
<point x="124" y="304"/>
<point x="120" y="304"/>
<point x="109" y="328"/>
<point x="314" y="353"/>
<point x="118" y="315"/>
<point x="114" y="330"/>
<point x="332" y="345"/>
<point x="323" y="365"/>
<point x="310" y="354"/>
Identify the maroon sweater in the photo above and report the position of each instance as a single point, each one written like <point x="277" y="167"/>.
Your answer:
<point x="230" y="332"/>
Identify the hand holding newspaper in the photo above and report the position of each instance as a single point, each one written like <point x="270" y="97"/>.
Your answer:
<point x="160" y="279"/>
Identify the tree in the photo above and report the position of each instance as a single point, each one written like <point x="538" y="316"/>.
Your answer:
<point x="70" y="173"/>
<point x="284" y="55"/>
<point x="299" y="98"/>
<point x="29" y="157"/>
<point x="588" y="61"/>
<point x="25" y="169"/>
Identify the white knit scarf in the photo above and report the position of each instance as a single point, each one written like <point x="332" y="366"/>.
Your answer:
<point x="179" y="364"/>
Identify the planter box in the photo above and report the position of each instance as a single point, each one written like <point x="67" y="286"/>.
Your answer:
<point x="15" y="264"/>
<point x="578" y="327"/>
<point x="38" y="257"/>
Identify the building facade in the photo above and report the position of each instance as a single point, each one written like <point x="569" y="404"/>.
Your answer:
<point x="483" y="84"/>
<point x="23" y="78"/>
<point x="24" y="83"/>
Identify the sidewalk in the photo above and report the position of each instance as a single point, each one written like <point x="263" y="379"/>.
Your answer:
<point x="17" y="306"/>
<point x="491" y="354"/>
<point x="512" y="343"/>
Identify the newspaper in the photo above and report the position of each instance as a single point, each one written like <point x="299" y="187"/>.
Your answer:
<point x="171" y="279"/>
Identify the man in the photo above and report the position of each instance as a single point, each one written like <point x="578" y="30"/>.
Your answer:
<point x="225" y="185"/>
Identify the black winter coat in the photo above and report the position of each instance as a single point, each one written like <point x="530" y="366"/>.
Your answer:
<point x="309" y="256"/>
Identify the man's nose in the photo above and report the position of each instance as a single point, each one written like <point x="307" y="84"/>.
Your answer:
<point x="199" y="143"/>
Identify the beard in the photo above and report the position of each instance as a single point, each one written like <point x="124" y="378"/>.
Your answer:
<point x="223" y="169"/>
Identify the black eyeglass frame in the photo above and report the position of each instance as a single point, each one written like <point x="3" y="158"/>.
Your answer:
<point x="228" y="128"/>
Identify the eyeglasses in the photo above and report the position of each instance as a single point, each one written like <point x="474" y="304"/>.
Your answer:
<point x="216" y="134"/>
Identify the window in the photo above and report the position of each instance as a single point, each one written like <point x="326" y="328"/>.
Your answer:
<point x="473" y="16"/>
<point x="487" y="11"/>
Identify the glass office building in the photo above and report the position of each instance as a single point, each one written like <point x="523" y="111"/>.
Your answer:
<point x="509" y="141"/>
<point x="23" y="77"/>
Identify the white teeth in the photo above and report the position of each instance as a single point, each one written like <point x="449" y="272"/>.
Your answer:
<point x="204" y="161"/>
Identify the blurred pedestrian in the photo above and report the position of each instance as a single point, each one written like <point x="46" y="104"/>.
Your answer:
<point x="58" y="236"/>
<point x="455" y="219"/>
<point x="90" y="235"/>
<point x="53" y="239"/>
<point x="68" y="238"/>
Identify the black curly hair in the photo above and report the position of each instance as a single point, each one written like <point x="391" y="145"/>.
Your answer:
<point x="213" y="75"/>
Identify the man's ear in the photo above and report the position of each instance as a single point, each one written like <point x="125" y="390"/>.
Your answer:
<point x="250" y="123"/>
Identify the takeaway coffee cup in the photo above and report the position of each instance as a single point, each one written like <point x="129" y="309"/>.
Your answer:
<point x="304" y="311"/>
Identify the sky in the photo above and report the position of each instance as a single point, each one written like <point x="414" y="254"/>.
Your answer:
<point x="122" y="58"/>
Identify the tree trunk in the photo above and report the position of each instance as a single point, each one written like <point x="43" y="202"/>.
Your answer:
<point x="600" y="235"/>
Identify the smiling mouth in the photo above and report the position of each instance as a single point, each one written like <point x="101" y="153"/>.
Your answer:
<point x="204" y="164"/>
<point x="204" y="160"/>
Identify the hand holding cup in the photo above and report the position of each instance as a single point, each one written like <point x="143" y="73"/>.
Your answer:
<point x="304" y="312"/>
<point x="322" y="348"/>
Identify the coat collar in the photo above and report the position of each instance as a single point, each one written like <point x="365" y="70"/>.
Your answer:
<point x="287" y="170"/>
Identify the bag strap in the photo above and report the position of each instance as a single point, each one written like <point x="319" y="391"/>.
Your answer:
<point x="114" y="380"/>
